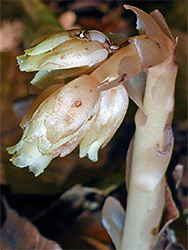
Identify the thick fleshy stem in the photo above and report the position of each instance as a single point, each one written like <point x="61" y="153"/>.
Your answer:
<point x="149" y="157"/>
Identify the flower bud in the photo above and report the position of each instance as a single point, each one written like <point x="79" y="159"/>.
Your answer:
<point x="66" y="49"/>
<point x="43" y="79"/>
<point x="113" y="107"/>
<point x="57" y="125"/>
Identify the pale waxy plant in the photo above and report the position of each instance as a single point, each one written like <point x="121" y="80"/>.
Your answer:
<point x="55" y="126"/>
<point x="151" y="148"/>
<point x="65" y="54"/>
<point x="65" y="115"/>
<point x="89" y="109"/>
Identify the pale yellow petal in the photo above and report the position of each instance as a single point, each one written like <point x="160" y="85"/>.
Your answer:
<point x="113" y="107"/>
<point x="26" y="119"/>
<point x="49" y="42"/>
<point x="74" y="53"/>
<point x="56" y="125"/>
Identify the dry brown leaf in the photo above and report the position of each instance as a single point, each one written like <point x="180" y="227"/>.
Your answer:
<point x="96" y="243"/>
<point x="13" y="86"/>
<point x="19" y="233"/>
<point x="83" y="219"/>
<point x="90" y="225"/>
<point x="171" y="213"/>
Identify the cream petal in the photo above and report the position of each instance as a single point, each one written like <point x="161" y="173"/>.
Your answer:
<point x="108" y="73"/>
<point x="26" y="119"/>
<point x="74" y="53"/>
<point x="41" y="39"/>
<point x="44" y="79"/>
<point x="49" y="42"/>
<point x="159" y="19"/>
<point x="29" y="155"/>
<point x="113" y="106"/>
<point x="63" y="117"/>
<point x="135" y="87"/>
<point x="145" y="24"/>
<point x="152" y="48"/>
<point x="21" y="59"/>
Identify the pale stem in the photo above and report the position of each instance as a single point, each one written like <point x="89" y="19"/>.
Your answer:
<point x="150" y="157"/>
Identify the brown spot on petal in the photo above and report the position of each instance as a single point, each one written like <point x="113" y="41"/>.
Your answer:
<point x="123" y="78"/>
<point x="146" y="37"/>
<point x="158" y="45"/>
<point x="76" y="87"/>
<point x="76" y="104"/>
<point x="91" y="90"/>
<point x="90" y="117"/>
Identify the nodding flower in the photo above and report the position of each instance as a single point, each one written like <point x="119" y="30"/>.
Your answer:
<point x="113" y="107"/>
<point x="65" y="54"/>
<point x="89" y="109"/>
<point x="65" y="115"/>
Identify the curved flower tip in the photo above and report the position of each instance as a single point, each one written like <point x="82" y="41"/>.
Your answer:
<point x="44" y="79"/>
<point x="152" y="47"/>
<point x="66" y="49"/>
<point x="27" y="154"/>
<point x="56" y="125"/>
<point x="113" y="107"/>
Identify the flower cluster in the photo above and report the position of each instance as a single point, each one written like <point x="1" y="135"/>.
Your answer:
<point x="65" y="54"/>
<point x="88" y="109"/>
<point x="65" y="115"/>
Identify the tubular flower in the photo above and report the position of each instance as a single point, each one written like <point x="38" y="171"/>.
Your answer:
<point x="62" y="116"/>
<point x="64" y="54"/>
<point x="113" y="107"/>
<point x="57" y="124"/>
